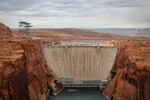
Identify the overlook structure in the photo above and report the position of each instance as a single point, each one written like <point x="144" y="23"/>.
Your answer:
<point x="81" y="64"/>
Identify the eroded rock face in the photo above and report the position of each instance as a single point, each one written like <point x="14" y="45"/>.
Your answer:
<point x="5" y="32"/>
<point x="12" y="72"/>
<point x="23" y="69"/>
<point x="36" y="70"/>
<point x="132" y="65"/>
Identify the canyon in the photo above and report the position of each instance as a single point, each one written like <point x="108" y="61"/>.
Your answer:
<point x="131" y="71"/>
<point x="24" y="72"/>
<point x="23" y="69"/>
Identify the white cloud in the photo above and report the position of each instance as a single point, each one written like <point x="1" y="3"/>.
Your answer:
<point x="76" y="13"/>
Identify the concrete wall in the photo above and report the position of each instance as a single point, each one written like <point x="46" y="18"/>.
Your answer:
<point x="81" y="62"/>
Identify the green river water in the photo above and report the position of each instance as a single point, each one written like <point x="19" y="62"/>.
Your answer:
<point x="79" y="94"/>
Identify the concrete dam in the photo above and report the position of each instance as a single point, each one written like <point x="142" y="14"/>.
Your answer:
<point x="80" y="65"/>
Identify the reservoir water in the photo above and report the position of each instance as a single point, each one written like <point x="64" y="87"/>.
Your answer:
<point x="79" y="94"/>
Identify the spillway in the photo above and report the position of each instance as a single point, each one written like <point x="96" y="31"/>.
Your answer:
<point x="81" y="62"/>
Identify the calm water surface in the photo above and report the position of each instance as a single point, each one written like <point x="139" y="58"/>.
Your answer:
<point x="79" y="94"/>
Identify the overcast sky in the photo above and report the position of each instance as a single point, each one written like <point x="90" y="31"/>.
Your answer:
<point x="77" y="13"/>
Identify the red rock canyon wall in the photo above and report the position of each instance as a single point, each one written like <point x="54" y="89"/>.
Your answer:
<point x="132" y="68"/>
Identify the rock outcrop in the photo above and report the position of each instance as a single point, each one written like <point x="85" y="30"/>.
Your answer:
<point x="36" y="70"/>
<point x="13" y="83"/>
<point x="5" y="31"/>
<point x="23" y="70"/>
<point x="131" y="71"/>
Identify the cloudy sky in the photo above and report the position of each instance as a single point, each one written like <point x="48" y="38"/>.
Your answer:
<point x="77" y="13"/>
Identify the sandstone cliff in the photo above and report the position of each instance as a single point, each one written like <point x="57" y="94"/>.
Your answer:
<point x="5" y="31"/>
<point x="23" y="69"/>
<point x="131" y="71"/>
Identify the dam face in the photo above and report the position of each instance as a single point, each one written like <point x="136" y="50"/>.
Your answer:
<point x="80" y="62"/>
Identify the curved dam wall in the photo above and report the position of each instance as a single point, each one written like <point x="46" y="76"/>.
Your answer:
<point x="81" y="62"/>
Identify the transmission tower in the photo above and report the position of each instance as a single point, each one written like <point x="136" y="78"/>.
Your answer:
<point x="24" y="28"/>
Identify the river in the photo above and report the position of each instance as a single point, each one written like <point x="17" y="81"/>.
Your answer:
<point x="79" y="94"/>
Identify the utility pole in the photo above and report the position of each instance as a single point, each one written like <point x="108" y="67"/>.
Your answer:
<point x="24" y="28"/>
